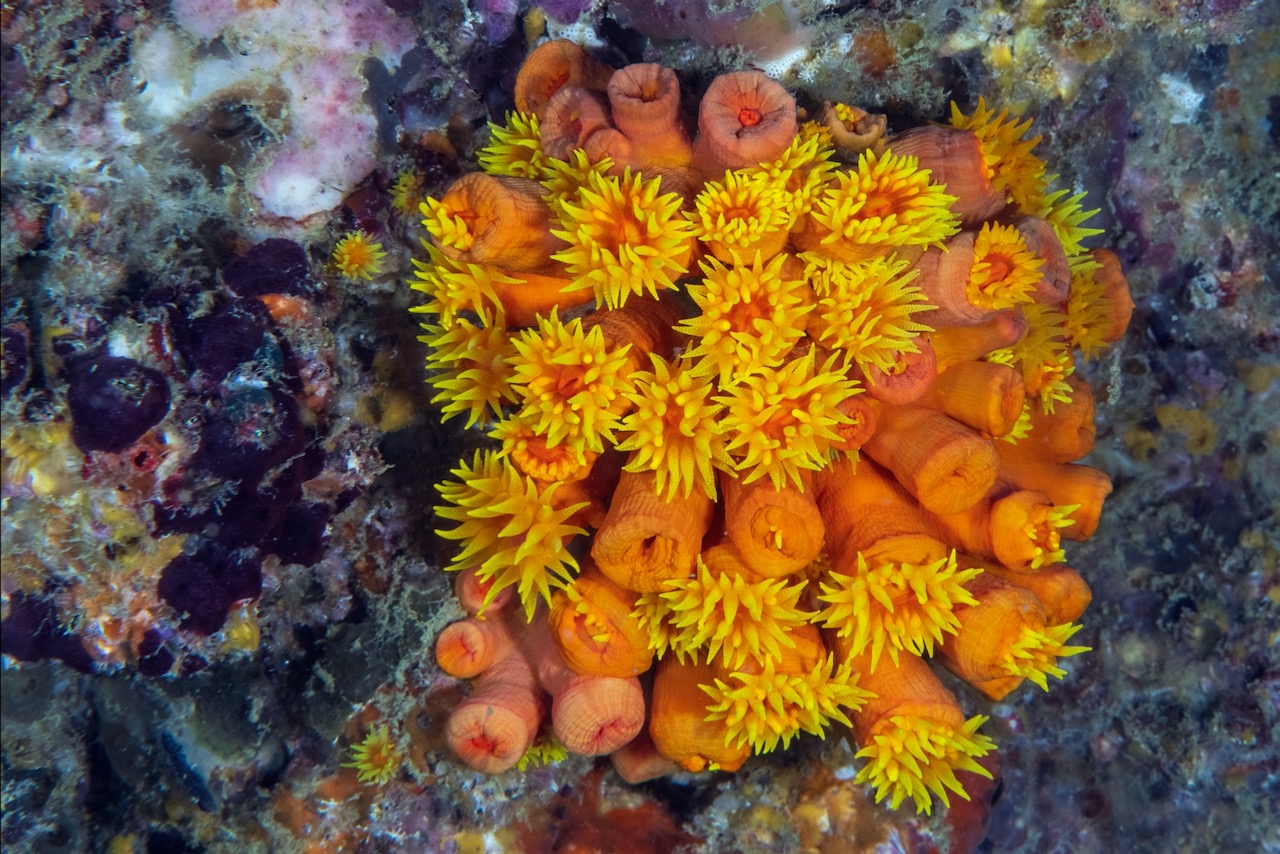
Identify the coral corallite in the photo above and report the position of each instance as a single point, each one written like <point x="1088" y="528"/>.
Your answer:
<point x="792" y="433"/>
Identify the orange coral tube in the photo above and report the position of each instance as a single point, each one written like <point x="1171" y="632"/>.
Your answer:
<point x="508" y="223"/>
<point x="638" y="760"/>
<point x="777" y="531"/>
<point x="1065" y="435"/>
<point x="1017" y="529"/>
<point x="471" y="591"/>
<point x="1062" y="591"/>
<point x="907" y="380"/>
<point x="645" y="539"/>
<point x="954" y="157"/>
<point x="864" y="508"/>
<point x="594" y="630"/>
<point x="944" y="279"/>
<point x="906" y="688"/>
<point x="591" y="715"/>
<point x="850" y="138"/>
<point x="856" y="433"/>
<point x="571" y="117"/>
<point x="745" y="119"/>
<point x="980" y="648"/>
<point x="677" y="721"/>
<point x="553" y="65"/>
<point x="492" y="729"/>
<point x="955" y="344"/>
<point x="595" y="715"/>
<point x="646" y="324"/>
<point x="534" y="294"/>
<point x="1065" y="485"/>
<point x="1055" y="274"/>
<point x="646" y="107"/>
<point x="467" y="648"/>
<point x="944" y="464"/>
<point x="987" y="396"/>
<point x="1115" y="287"/>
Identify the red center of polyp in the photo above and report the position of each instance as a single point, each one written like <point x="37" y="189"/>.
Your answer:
<point x="484" y="745"/>
<point x="749" y="117"/>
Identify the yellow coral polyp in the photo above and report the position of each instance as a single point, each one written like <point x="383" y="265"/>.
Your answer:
<point x="896" y="606"/>
<point x="802" y="170"/>
<point x="532" y="455"/>
<point x="780" y="421"/>
<point x="767" y="708"/>
<point x="564" y="178"/>
<point x="750" y="315"/>
<point x="376" y="758"/>
<point x="454" y="288"/>
<point x="1004" y="271"/>
<point x="514" y="148"/>
<point x="406" y="192"/>
<point x="449" y="228"/>
<point x="1034" y="655"/>
<point x="743" y="214"/>
<point x="654" y="615"/>
<point x="472" y="369"/>
<point x="866" y="309"/>
<point x="547" y="750"/>
<point x="1088" y="313"/>
<point x="910" y="757"/>
<point x="625" y="238"/>
<point x="886" y="202"/>
<point x="357" y="257"/>
<point x="1066" y="215"/>
<point x="1042" y="530"/>
<point x="570" y="387"/>
<point x="1007" y="157"/>
<point x="1042" y="355"/>
<point x="725" y="616"/>
<point x="674" y="430"/>
<point x="512" y="531"/>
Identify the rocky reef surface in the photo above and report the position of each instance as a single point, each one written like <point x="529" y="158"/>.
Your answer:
<point x="219" y="565"/>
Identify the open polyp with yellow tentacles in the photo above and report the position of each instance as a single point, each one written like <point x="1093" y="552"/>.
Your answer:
<point x="784" y="412"/>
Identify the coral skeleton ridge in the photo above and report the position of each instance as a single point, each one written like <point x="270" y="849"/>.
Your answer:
<point x="784" y="415"/>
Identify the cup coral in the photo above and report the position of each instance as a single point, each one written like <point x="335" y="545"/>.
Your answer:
<point x="818" y="427"/>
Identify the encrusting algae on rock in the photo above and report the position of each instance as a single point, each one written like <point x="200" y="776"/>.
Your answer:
<point x="783" y="411"/>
